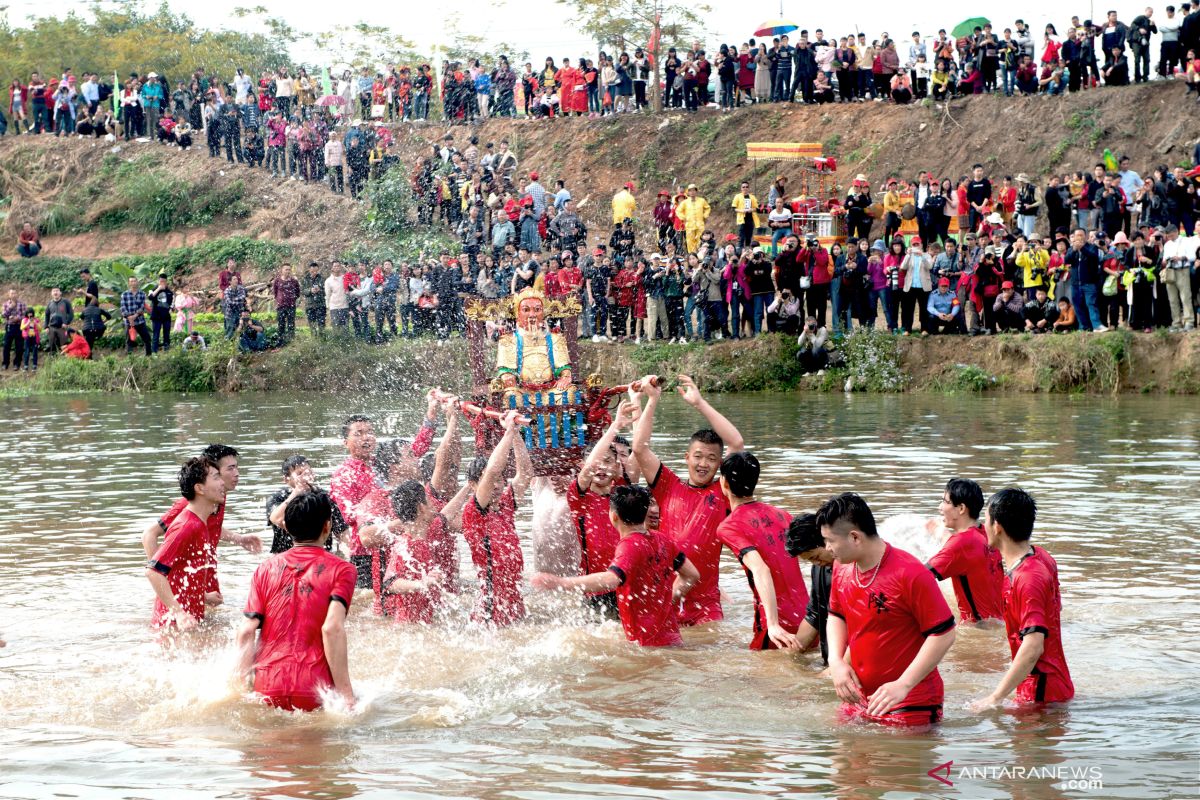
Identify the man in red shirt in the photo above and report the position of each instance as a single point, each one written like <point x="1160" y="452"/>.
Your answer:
<point x="886" y="607"/>
<point x="1032" y="607"/>
<point x="297" y="605"/>
<point x="756" y="533"/>
<point x="354" y="479"/>
<point x="412" y="585"/>
<point x="179" y="570"/>
<point x="490" y="528"/>
<point x="588" y="500"/>
<point x="226" y="459"/>
<point x="649" y="573"/>
<point x="967" y="557"/>
<point x="692" y="509"/>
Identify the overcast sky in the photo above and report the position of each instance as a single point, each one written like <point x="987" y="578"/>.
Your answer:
<point x="543" y="27"/>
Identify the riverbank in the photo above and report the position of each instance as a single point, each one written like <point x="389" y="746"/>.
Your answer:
<point x="1110" y="363"/>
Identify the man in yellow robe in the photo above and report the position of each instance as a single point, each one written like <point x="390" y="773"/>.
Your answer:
<point x="624" y="204"/>
<point x="693" y="211"/>
<point x="744" y="205"/>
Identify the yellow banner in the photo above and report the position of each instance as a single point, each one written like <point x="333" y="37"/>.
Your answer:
<point x="783" y="151"/>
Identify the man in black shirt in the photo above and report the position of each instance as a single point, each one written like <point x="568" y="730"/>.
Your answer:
<point x="762" y="289"/>
<point x="804" y="542"/>
<point x="979" y="191"/>
<point x="91" y="289"/>
<point x="298" y="478"/>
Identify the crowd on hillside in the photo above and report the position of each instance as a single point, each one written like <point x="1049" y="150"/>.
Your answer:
<point x="1087" y="251"/>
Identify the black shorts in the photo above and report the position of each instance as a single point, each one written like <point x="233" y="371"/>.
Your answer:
<point x="603" y="605"/>
<point x="362" y="565"/>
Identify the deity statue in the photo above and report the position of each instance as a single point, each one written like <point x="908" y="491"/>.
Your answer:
<point x="533" y="356"/>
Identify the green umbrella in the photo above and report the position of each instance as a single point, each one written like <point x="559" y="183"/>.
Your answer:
<point x="967" y="26"/>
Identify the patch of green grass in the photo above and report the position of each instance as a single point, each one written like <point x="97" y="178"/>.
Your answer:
<point x="959" y="378"/>
<point x="831" y="144"/>
<point x="873" y="361"/>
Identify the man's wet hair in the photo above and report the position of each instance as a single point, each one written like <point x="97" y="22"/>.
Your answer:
<point x="623" y="441"/>
<point x="631" y="504"/>
<point x="803" y="534"/>
<point x="218" y="451"/>
<point x="194" y="471"/>
<point x="847" y="508"/>
<point x="293" y="462"/>
<point x="740" y="471"/>
<point x="476" y="468"/>
<point x="428" y="465"/>
<point x="350" y="420"/>
<point x="965" y="492"/>
<point x="1014" y="509"/>
<point x="387" y="455"/>
<point x="707" y="436"/>
<point x="306" y="515"/>
<point x="407" y="499"/>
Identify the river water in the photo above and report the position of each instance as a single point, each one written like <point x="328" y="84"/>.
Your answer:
<point x="91" y="707"/>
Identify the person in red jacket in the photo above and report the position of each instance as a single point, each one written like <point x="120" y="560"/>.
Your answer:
<point x="1032" y="607"/>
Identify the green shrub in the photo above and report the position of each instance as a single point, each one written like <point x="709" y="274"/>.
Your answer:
<point x="964" y="378"/>
<point x="1081" y="362"/>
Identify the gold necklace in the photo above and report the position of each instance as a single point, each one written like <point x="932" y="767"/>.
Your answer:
<point x="875" y="572"/>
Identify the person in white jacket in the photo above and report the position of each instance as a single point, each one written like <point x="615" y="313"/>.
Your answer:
<point x="335" y="297"/>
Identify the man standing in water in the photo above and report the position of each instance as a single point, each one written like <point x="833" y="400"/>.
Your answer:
<point x="649" y="573"/>
<point x="354" y="479"/>
<point x="588" y="499"/>
<point x="886" y="607"/>
<point x="179" y="570"/>
<point x="1032" y="607"/>
<point x="226" y="459"/>
<point x="756" y="533"/>
<point x="804" y="542"/>
<point x="298" y="604"/>
<point x="967" y="557"/>
<point x="691" y="510"/>
<point x="490" y="528"/>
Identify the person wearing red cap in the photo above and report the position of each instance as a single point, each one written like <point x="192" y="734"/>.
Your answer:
<point x="945" y="312"/>
<point x="1008" y="309"/>
<point x="537" y="193"/>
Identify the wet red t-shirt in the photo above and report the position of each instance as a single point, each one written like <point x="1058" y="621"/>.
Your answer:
<point x="763" y="528"/>
<point x="1032" y="604"/>
<point x="491" y="534"/>
<point x="690" y="516"/>
<point x="290" y="595"/>
<point x="411" y="559"/>
<point x="215" y="523"/>
<point x="646" y="562"/>
<point x="887" y="619"/>
<point x="977" y="571"/>
<point x="185" y="557"/>
<point x="597" y="536"/>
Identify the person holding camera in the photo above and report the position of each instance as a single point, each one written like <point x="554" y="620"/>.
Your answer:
<point x="762" y="289"/>
<point x="813" y="356"/>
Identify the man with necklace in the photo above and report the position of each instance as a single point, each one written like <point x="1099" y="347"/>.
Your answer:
<point x="886" y="607"/>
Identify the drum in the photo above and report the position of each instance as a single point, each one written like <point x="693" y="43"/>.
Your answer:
<point x="909" y="211"/>
<point x="875" y="211"/>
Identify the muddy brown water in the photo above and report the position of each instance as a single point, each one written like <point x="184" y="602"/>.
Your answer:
<point x="91" y="707"/>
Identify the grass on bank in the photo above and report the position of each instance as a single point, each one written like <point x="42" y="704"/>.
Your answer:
<point x="48" y="271"/>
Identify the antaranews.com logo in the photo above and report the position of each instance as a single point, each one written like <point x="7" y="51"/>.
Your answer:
<point x="1059" y="776"/>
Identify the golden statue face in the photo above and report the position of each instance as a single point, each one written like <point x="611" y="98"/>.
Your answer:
<point x="530" y="313"/>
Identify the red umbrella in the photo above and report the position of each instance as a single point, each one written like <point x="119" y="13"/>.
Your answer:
<point x="332" y="100"/>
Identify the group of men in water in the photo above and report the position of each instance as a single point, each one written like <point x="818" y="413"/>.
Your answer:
<point x="649" y="544"/>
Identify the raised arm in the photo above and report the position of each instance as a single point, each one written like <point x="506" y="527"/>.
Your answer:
<point x="485" y="490"/>
<point x="453" y="510"/>
<point x="445" y="463"/>
<point x="621" y="420"/>
<point x="524" y="465"/>
<point x="648" y="463"/>
<point x="724" y="428"/>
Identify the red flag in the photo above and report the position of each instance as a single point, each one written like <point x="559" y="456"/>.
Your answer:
<point x="653" y="45"/>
